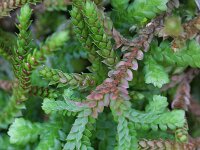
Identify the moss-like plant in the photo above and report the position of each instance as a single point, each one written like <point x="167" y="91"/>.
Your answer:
<point x="76" y="76"/>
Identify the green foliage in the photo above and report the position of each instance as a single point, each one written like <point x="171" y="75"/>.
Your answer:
<point x="51" y="106"/>
<point x="70" y="94"/>
<point x="124" y="137"/>
<point x="142" y="10"/>
<point x="187" y="56"/>
<point x="159" y="118"/>
<point x="138" y="11"/>
<point x="98" y="35"/>
<point x="157" y="105"/>
<point x="49" y="134"/>
<point x="83" y="34"/>
<point x="155" y="73"/>
<point x="73" y="77"/>
<point x="22" y="132"/>
<point x="65" y="79"/>
<point x="23" y="41"/>
<point x="50" y="138"/>
<point x="80" y="128"/>
<point x="24" y="35"/>
<point x="170" y="120"/>
<point x="82" y="30"/>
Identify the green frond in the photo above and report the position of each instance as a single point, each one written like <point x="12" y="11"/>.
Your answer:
<point x="74" y="80"/>
<point x="143" y="10"/>
<point x="157" y="105"/>
<point x="79" y="128"/>
<point x="69" y="107"/>
<point x="155" y="73"/>
<point x="22" y="131"/>
<point x="134" y="135"/>
<point x="94" y="20"/>
<point x="155" y="117"/>
<point x="114" y="77"/>
<point x="83" y="34"/>
<point x="49" y="138"/>
<point x="138" y="12"/>
<point x="159" y="118"/>
<point x="23" y="44"/>
<point x="49" y="134"/>
<point x="187" y="56"/>
<point x="71" y="94"/>
<point x="82" y="31"/>
<point x="124" y="137"/>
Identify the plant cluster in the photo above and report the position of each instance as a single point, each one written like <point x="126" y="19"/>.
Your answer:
<point x="99" y="74"/>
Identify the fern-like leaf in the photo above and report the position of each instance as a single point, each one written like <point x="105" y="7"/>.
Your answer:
<point x="124" y="137"/>
<point x="51" y="106"/>
<point x="22" y="131"/>
<point x="187" y="56"/>
<point x="155" y="73"/>
<point x="74" y="138"/>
